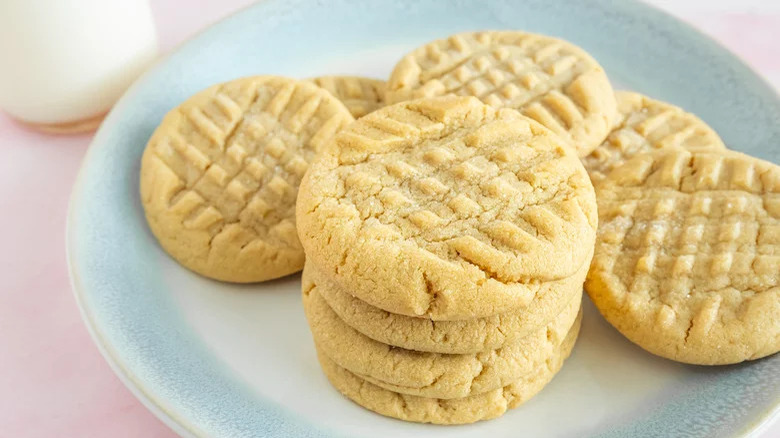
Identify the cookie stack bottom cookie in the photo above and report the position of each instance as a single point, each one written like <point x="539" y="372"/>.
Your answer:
<point x="442" y="388"/>
<point x="484" y="406"/>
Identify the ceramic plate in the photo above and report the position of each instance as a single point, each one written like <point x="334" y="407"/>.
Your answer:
<point x="218" y="360"/>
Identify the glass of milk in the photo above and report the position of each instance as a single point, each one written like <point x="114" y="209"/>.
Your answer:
<point x="65" y="63"/>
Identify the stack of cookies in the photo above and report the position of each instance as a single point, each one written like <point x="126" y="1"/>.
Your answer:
<point x="447" y="242"/>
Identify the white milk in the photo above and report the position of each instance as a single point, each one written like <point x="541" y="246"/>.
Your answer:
<point x="65" y="61"/>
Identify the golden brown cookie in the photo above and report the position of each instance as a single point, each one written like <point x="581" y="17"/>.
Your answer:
<point x="432" y="374"/>
<point x="451" y="337"/>
<point x="360" y="95"/>
<point x="687" y="261"/>
<point x="484" y="406"/>
<point x="646" y="125"/>
<point x="220" y="175"/>
<point x="550" y="80"/>
<point x="447" y="207"/>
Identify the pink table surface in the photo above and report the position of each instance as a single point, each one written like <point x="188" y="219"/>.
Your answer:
<point x="53" y="381"/>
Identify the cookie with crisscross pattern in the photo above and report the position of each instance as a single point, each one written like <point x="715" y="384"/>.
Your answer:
<point x="646" y="125"/>
<point x="220" y="175"/>
<point x="447" y="207"/>
<point x="550" y="80"/>
<point x="687" y="260"/>
<point x="360" y="95"/>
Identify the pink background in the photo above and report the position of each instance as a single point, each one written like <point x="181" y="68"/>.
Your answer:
<point x="53" y="381"/>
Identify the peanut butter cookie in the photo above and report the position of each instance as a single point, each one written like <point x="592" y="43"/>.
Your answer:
<point x="550" y="80"/>
<point x="687" y="260"/>
<point x="219" y="176"/>
<point x="447" y="207"/>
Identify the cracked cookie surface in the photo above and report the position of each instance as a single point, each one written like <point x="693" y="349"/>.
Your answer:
<point x="446" y="207"/>
<point x="646" y="125"/>
<point x="360" y="95"/>
<point x="432" y="374"/>
<point x="550" y="80"/>
<point x="465" y="410"/>
<point x="687" y="260"/>
<point x="451" y="337"/>
<point x="219" y="176"/>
